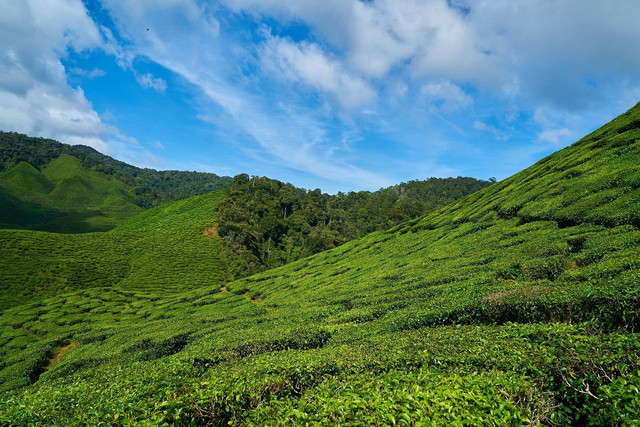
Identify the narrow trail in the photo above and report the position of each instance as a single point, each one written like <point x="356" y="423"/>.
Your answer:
<point x="59" y="354"/>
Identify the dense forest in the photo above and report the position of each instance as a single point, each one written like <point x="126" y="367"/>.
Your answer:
<point x="150" y="187"/>
<point x="267" y="223"/>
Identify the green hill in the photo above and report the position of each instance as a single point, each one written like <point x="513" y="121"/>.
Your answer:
<point x="49" y="186"/>
<point x="63" y="197"/>
<point x="518" y="304"/>
<point x="172" y="247"/>
<point x="162" y="250"/>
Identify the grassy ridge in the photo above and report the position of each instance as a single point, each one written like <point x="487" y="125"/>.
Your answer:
<point x="150" y="187"/>
<point x="595" y="181"/>
<point x="519" y="304"/>
<point x="63" y="197"/>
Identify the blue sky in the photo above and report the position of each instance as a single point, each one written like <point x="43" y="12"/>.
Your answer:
<point x="335" y="94"/>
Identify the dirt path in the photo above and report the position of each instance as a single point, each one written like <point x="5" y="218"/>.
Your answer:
<point x="212" y="231"/>
<point x="59" y="354"/>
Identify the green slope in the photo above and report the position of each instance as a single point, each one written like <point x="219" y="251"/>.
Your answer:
<point x="63" y="197"/>
<point x="162" y="250"/>
<point x="148" y="186"/>
<point x="519" y="304"/>
<point x="171" y="247"/>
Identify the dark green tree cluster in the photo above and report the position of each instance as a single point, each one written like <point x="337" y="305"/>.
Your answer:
<point x="267" y="223"/>
<point x="151" y="187"/>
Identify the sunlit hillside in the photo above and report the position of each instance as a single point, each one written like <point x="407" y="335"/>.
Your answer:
<point x="518" y="304"/>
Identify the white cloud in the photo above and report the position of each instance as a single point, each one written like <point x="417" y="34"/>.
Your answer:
<point x="291" y="136"/>
<point x="150" y="82"/>
<point x="63" y="115"/>
<point x="554" y="136"/>
<point x="307" y="63"/>
<point x="571" y="46"/>
<point x="429" y="37"/>
<point x="34" y="95"/>
<point x="446" y="96"/>
<point x="558" y="51"/>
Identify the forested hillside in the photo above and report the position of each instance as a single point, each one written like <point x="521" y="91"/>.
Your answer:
<point x="169" y="248"/>
<point x="149" y="187"/>
<point x="516" y="305"/>
<point x="49" y="186"/>
<point x="267" y="223"/>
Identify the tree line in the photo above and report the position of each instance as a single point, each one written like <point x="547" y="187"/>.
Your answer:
<point x="267" y="223"/>
<point x="150" y="187"/>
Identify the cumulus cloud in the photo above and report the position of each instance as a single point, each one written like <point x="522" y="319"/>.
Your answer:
<point x="558" y="51"/>
<point x="307" y="63"/>
<point x="569" y="45"/>
<point x="429" y="37"/>
<point x="149" y="81"/>
<point x="36" y="98"/>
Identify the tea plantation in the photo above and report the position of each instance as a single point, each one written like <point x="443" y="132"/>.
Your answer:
<point x="64" y="197"/>
<point x="162" y="250"/>
<point x="516" y="305"/>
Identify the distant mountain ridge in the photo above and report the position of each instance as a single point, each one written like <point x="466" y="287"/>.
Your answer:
<point x="150" y="187"/>
<point x="49" y="186"/>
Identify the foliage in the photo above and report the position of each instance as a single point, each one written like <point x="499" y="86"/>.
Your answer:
<point x="162" y="250"/>
<point x="512" y="306"/>
<point x="148" y="187"/>
<point x="63" y="197"/>
<point x="266" y="223"/>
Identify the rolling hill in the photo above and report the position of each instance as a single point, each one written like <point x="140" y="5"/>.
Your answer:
<point x="63" y="197"/>
<point x="163" y="250"/>
<point x="518" y="304"/>
<point x="49" y="186"/>
<point x="175" y="246"/>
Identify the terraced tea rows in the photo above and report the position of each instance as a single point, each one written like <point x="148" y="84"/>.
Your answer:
<point x="161" y="251"/>
<point x="519" y="304"/>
